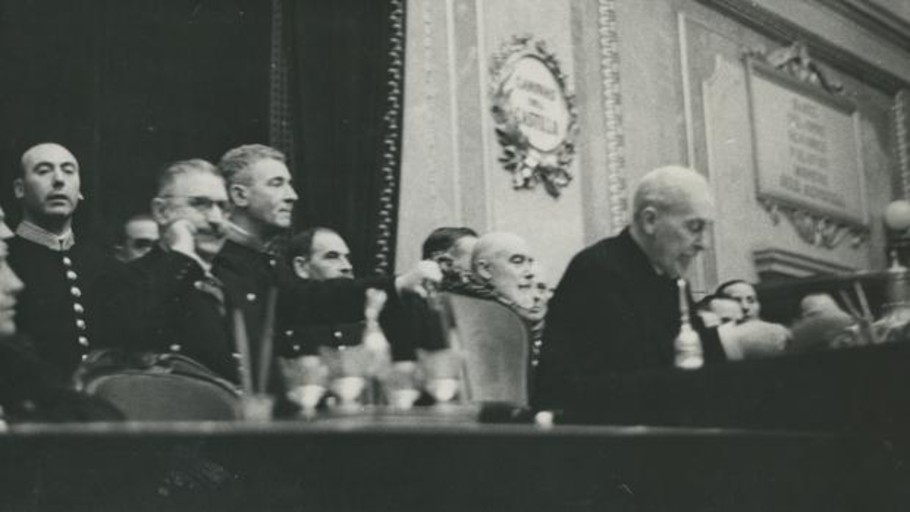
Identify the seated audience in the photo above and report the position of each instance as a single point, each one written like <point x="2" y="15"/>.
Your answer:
<point x="262" y="199"/>
<point x="59" y="271"/>
<point x="137" y="236"/>
<point x="451" y="248"/>
<point x="180" y="296"/>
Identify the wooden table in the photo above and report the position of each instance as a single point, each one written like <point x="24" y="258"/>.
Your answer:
<point x="391" y="462"/>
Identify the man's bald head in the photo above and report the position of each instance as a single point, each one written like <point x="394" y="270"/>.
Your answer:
<point x="45" y="151"/>
<point x="504" y="261"/>
<point x="49" y="186"/>
<point x="672" y="209"/>
<point x="671" y="188"/>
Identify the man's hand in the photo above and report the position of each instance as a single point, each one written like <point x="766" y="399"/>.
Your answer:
<point x="752" y="339"/>
<point x="416" y="281"/>
<point x="179" y="236"/>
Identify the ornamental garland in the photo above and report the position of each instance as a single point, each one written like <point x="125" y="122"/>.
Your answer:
<point x="528" y="164"/>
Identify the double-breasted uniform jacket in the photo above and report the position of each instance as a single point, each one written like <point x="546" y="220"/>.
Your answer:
<point x="612" y="313"/>
<point x="54" y="309"/>
<point x="165" y="302"/>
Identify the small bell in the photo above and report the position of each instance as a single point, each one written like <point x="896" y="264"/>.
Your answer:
<point x="687" y="345"/>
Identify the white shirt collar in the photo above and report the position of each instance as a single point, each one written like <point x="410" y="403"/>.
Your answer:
<point x="41" y="236"/>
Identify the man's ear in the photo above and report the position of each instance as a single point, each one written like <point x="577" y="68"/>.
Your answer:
<point x="648" y="219"/>
<point x="239" y="194"/>
<point x="483" y="270"/>
<point x="159" y="211"/>
<point x="301" y="267"/>
<point x="19" y="188"/>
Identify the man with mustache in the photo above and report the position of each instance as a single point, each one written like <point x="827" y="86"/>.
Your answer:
<point x="168" y="300"/>
<point x="616" y="309"/>
<point x="58" y="271"/>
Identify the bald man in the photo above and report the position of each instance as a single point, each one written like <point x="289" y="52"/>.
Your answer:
<point x="616" y="308"/>
<point x="58" y="272"/>
<point x="503" y="261"/>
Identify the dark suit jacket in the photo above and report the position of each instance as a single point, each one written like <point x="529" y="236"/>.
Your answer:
<point x="612" y="313"/>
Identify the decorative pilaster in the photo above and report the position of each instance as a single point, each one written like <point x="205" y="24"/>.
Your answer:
<point x="901" y="104"/>
<point x="612" y="110"/>
<point x="391" y="143"/>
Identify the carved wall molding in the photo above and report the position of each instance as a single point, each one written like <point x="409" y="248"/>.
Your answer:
<point x="901" y="118"/>
<point x="874" y="18"/>
<point x="814" y="228"/>
<point x="783" y="30"/>
<point x="795" y="61"/>
<point x="780" y="262"/>
<point x="612" y="111"/>
<point x="391" y="143"/>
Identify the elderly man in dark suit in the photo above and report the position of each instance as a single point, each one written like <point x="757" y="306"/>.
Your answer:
<point x="616" y="309"/>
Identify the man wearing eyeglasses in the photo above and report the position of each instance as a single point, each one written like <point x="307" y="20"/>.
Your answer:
<point x="60" y="272"/>
<point x="168" y="300"/>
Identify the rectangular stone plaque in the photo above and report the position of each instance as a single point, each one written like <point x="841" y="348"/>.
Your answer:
<point x="807" y="149"/>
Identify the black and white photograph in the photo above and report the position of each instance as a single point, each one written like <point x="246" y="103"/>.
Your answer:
<point x="454" y="255"/>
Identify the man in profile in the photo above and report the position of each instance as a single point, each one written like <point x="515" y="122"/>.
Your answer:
<point x="59" y="272"/>
<point x="251" y="264"/>
<point x="616" y="309"/>
<point x="137" y="237"/>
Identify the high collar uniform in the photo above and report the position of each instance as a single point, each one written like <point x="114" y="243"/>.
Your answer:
<point x="60" y="279"/>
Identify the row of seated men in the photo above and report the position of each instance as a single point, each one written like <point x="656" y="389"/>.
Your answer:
<point x="219" y="251"/>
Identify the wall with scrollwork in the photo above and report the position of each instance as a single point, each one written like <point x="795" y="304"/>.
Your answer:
<point x="690" y="101"/>
<point x="464" y="162"/>
<point x="655" y="83"/>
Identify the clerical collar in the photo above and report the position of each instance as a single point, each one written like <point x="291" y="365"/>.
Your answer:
<point x="41" y="236"/>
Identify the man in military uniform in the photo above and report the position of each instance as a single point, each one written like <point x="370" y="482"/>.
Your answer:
<point x="59" y="273"/>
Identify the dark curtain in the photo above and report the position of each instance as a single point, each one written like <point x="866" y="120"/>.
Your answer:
<point x="346" y="58"/>
<point x="129" y="86"/>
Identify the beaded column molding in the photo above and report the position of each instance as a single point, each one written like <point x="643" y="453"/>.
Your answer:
<point x="280" y="126"/>
<point x="901" y="104"/>
<point x="391" y="143"/>
<point x="612" y="109"/>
